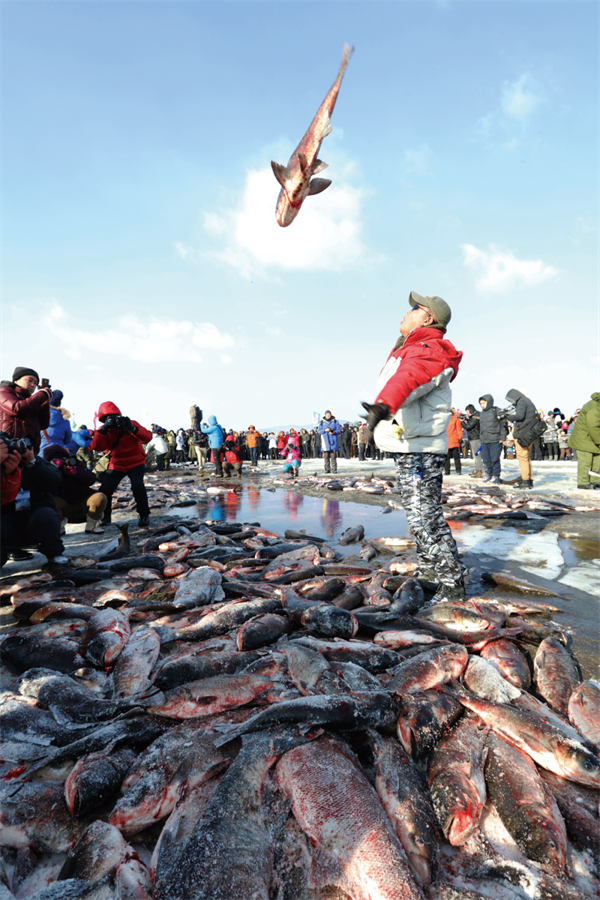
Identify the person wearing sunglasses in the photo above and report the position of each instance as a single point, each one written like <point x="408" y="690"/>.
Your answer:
<point x="408" y="420"/>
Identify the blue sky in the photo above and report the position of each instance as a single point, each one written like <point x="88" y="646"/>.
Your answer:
<point x="141" y="260"/>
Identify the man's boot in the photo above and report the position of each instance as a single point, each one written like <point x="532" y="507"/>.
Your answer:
<point x="92" y="526"/>
<point x="295" y="471"/>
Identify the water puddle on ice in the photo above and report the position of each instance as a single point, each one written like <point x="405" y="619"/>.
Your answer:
<point x="568" y="561"/>
<point x="323" y="517"/>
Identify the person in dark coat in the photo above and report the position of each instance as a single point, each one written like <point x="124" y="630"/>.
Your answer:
<point x="124" y="438"/>
<point x="471" y="425"/>
<point x="24" y="410"/>
<point x="29" y="517"/>
<point x="525" y="424"/>
<point x="74" y="498"/>
<point x="492" y="431"/>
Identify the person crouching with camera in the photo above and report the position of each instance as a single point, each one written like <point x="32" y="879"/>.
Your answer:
<point x="29" y="517"/>
<point x="74" y="498"/>
<point x="124" y="440"/>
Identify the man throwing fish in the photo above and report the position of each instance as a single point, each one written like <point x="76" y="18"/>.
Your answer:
<point x="409" y="419"/>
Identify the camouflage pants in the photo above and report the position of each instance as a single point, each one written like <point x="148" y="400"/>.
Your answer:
<point x="419" y="483"/>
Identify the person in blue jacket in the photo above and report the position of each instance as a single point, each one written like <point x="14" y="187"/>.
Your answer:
<point x="215" y="442"/>
<point x="329" y="428"/>
<point x="59" y="429"/>
<point x="80" y="446"/>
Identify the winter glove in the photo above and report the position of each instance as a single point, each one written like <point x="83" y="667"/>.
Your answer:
<point x="375" y="413"/>
<point x="126" y="425"/>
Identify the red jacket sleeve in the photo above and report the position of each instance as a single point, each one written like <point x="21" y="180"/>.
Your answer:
<point x="10" y="485"/>
<point x="142" y="433"/>
<point x="410" y="374"/>
<point x="102" y="442"/>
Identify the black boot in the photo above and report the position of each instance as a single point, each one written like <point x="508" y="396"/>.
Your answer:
<point x="144" y="522"/>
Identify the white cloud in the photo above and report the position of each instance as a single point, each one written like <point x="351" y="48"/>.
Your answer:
<point x="500" y="270"/>
<point x="95" y="368"/>
<point x="149" y="340"/>
<point x="225" y="359"/>
<point x="326" y="235"/>
<point x="520" y="98"/>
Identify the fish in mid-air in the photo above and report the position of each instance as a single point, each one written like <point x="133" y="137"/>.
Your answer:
<point x="295" y="178"/>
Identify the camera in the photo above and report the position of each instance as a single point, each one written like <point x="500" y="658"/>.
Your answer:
<point x="503" y="413"/>
<point x="119" y="423"/>
<point x="21" y="445"/>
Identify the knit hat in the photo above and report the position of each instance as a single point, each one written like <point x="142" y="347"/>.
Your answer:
<point x="22" y="371"/>
<point x="57" y="397"/>
<point x="54" y="451"/>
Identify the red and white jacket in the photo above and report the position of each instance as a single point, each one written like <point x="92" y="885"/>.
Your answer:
<point x="415" y="384"/>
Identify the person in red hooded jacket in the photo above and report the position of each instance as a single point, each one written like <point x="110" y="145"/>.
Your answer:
<point x="124" y="439"/>
<point x="409" y="419"/>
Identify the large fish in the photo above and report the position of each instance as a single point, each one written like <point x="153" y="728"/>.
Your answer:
<point x="456" y="780"/>
<point x="556" y="674"/>
<point x="229" y="852"/>
<point x="338" y="809"/>
<point x="406" y="800"/>
<point x="527" y="809"/>
<point x="295" y="178"/>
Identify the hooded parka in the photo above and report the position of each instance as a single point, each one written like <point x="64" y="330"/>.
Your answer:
<point x="524" y="418"/>
<point x="586" y="431"/>
<point x="126" y="450"/>
<point x="491" y="428"/>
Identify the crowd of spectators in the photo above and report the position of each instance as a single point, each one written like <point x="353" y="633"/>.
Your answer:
<point x="53" y="474"/>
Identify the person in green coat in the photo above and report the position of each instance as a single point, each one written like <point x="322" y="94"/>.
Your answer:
<point x="585" y="438"/>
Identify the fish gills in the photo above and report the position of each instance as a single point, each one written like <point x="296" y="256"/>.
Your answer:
<point x="338" y="809"/>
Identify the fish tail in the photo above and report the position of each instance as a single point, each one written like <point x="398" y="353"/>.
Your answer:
<point x="346" y="57"/>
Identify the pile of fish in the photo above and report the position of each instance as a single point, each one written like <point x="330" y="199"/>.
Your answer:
<point x="223" y="712"/>
<point x="459" y="501"/>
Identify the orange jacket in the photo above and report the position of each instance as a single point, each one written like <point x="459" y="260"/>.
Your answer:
<point x="454" y="429"/>
<point x="252" y="438"/>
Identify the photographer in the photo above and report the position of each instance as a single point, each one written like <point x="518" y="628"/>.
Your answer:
<point x="525" y="431"/>
<point x="74" y="499"/>
<point x="29" y="517"/>
<point x="124" y="439"/>
<point x="22" y="410"/>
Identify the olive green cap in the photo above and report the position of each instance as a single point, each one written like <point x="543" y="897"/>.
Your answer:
<point x="440" y="309"/>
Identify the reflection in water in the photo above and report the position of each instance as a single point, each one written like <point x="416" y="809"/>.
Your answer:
<point x="253" y="498"/>
<point x="331" y="518"/>
<point x="292" y="503"/>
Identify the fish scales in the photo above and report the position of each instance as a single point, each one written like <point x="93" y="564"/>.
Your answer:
<point x="338" y="809"/>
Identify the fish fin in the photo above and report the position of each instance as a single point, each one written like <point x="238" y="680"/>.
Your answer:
<point x="319" y="166"/>
<point x="303" y="161"/>
<point x="281" y="173"/>
<point x="316" y="185"/>
<point x="326" y="127"/>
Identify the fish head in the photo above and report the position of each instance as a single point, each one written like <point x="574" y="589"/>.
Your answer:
<point x="578" y="763"/>
<point x="285" y="213"/>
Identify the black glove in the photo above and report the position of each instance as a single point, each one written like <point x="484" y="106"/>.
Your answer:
<point x="103" y="429"/>
<point x="375" y="413"/>
<point x="125" y="424"/>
